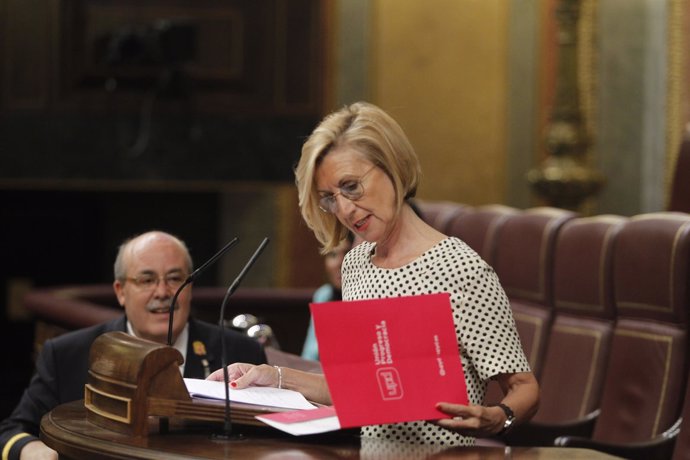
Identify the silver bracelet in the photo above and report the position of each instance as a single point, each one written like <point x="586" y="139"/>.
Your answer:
<point x="280" y="377"/>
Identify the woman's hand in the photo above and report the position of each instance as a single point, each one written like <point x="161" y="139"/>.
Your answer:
<point x="521" y="395"/>
<point x="243" y="375"/>
<point x="476" y="421"/>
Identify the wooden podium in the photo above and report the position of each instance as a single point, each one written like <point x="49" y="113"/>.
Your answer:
<point x="67" y="430"/>
<point x="132" y="379"/>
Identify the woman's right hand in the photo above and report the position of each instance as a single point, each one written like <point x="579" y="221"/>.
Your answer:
<point x="243" y="375"/>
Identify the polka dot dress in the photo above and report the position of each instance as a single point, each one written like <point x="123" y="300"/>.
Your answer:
<point x="484" y="324"/>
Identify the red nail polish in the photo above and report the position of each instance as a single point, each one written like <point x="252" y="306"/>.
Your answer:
<point x="233" y="384"/>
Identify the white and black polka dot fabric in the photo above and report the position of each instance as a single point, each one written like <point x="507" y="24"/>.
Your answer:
<point x="484" y="324"/>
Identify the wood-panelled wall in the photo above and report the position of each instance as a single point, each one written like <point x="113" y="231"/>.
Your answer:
<point x="118" y="116"/>
<point x="472" y="83"/>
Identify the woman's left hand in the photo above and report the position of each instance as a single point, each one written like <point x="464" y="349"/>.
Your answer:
<point x="476" y="421"/>
<point x="243" y="375"/>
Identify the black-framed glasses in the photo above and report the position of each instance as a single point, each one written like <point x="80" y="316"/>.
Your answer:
<point x="149" y="281"/>
<point x="352" y="189"/>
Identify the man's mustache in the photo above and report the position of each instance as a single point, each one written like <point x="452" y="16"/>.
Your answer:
<point x="160" y="308"/>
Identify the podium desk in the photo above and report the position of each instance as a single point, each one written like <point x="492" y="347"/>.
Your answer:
<point x="67" y="430"/>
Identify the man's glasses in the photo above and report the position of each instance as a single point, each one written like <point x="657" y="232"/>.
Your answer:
<point x="149" y="282"/>
<point x="353" y="190"/>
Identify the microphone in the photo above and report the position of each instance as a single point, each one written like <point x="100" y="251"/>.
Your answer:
<point x="190" y="279"/>
<point x="227" y="427"/>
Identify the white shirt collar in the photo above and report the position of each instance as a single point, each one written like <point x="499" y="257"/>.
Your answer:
<point x="180" y="344"/>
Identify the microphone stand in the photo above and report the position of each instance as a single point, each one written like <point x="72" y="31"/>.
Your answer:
<point x="227" y="426"/>
<point x="163" y="421"/>
<point x="190" y="279"/>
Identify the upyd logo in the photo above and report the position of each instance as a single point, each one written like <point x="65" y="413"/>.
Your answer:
<point x="389" y="383"/>
<point x="386" y="376"/>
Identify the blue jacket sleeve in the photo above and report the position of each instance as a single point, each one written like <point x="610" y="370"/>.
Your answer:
<point x="23" y="425"/>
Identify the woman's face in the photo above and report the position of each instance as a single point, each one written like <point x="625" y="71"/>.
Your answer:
<point x="369" y="217"/>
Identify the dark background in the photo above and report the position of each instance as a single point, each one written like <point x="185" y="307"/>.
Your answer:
<point x="120" y="116"/>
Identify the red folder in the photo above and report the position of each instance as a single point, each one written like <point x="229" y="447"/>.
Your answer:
<point x="389" y="360"/>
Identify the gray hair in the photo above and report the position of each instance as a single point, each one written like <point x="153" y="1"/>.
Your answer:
<point x="119" y="268"/>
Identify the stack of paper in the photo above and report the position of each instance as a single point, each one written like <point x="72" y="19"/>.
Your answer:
<point x="264" y="396"/>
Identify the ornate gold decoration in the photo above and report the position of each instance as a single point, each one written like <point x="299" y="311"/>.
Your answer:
<point x="564" y="179"/>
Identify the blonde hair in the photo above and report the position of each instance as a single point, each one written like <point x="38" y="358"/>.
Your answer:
<point x="379" y="138"/>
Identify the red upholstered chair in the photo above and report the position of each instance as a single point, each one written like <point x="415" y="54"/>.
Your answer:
<point x="477" y="227"/>
<point x="439" y="213"/>
<point x="523" y="259"/>
<point x="522" y="256"/>
<point x="580" y="335"/>
<point x="647" y="369"/>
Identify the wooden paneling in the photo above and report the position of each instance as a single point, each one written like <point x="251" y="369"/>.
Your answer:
<point x="258" y="57"/>
<point x="25" y="53"/>
<point x="441" y="73"/>
<point x="84" y="94"/>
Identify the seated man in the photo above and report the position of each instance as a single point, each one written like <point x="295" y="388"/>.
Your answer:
<point x="148" y="270"/>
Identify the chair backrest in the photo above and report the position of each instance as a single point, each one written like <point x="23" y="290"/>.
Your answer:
<point x="647" y="371"/>
<point x="580" y="335"/>
<point x="523" y="260"/>
<point x="520" y="248"/>
<point x="477" y="227"/>
<point x="438" y="214"/>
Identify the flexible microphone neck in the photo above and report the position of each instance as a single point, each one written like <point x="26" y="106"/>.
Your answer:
<point x="190" y="279"/>
<point x="221" y="326"/>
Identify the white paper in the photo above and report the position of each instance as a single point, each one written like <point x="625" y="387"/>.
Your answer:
<point x="264" y="396"/>
<point x="321" y="425"/>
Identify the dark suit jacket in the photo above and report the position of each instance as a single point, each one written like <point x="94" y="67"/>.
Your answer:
<point x="62" y="367"/>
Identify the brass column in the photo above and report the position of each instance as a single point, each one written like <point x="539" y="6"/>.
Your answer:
<point x="564" y="179"/>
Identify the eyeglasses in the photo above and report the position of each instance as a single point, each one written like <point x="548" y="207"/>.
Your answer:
<point x="353" y="190"/>
<point x="149" y="282"/>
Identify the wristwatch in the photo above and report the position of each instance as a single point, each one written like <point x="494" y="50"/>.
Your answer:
<point x="510" y="419"/>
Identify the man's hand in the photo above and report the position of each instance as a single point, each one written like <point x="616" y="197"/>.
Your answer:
<point x="36" y="450"/>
